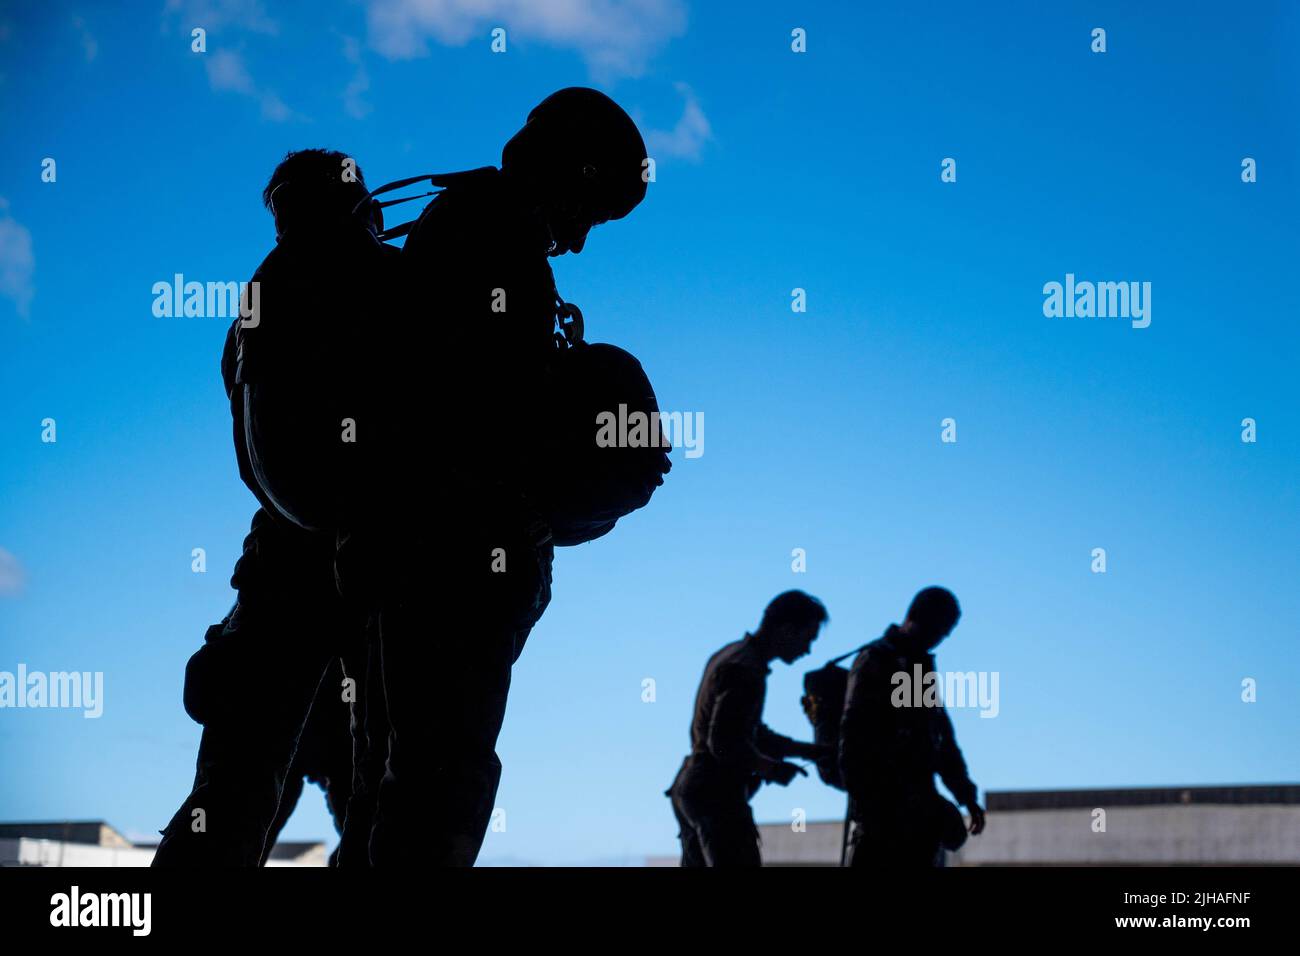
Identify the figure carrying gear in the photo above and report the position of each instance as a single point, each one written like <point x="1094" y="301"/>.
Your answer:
<point x="888" y="754"/>
<point x="732" y="751"/>
<point x="453" y="545"/>
<point x="290" y="626"/>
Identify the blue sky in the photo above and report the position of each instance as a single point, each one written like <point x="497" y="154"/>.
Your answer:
<point x="775" y="170"/>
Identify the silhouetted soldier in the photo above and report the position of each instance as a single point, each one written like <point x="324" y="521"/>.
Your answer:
<point x="890" y="749"/>
<point x="456" y="553"/>
<point x="732" y="751"/>
<point x="253" y="682"/>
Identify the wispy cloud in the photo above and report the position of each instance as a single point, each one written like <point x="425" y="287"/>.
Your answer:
<point x="354" y="103"/>
<point x="89" y="45"/>
<point x="226" y="68"/>
<point x="228" y="73"/>
<point x="249" y="15"/>
<point x="615" y="37"/>
<point x="17" y="262"/>
<point x="6" y="35"/>
<point x="12" y="576"/>
<point x="687" y="137"/>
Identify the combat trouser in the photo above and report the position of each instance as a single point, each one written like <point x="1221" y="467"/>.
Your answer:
<point x="248" y="743"/>
<point x="715" y="822"/>
<point x="448" y="640"/>
<point x="906" y="828"/>
<point x="369" y="725"/>
<point x="323" y="756"/>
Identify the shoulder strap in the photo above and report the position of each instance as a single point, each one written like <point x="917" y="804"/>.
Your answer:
<point x="571" y="327"/>
<point x="439" y="180"/>
<point x="855" y="651"/>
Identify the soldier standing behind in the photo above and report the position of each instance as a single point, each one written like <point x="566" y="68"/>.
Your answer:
<point x="889" y="754"/>
<point x="290" y="626"/>
<point x="732" y="751"/>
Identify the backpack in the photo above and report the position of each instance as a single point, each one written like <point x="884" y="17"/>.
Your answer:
<point x="288" y="371"/>
<point x="581" y="484"/>
<point x="825" y="690"/>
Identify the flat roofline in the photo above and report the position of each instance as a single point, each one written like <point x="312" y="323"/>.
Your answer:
<point x="81" y="832"/>
<point x="1269" y="793"/>
<point x="55" y="823"/>
<point x="1005" y="801"/>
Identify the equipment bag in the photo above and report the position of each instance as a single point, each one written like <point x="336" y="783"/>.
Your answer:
<point x="824" y="692"/>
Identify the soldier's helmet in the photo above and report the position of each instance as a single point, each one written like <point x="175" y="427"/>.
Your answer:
<point x="583" y="145"/>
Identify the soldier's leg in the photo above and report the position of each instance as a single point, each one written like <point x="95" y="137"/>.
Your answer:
<point x="248" y="739"/>
<point x="290" y="794"/>
<point x="446" y="696"/>
<point x="223" y="821"/>
<point x="729" y="838"/>
<point x="872" y="846"/>
<point x="323" y="756"/>
<point x="893" y="835"/>
<point x="921" y="830"/>
<point x="369" y="749"/>
<point x="692" y="851"/>
<point x="446" y="672"/>
<point x="723" y="826"/>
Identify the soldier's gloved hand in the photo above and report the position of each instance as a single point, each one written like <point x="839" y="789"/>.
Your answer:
<point x="976" y="818"/>
<point x="782" y="772"/>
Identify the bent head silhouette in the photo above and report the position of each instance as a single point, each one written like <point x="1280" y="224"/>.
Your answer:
<point x="580" y="160"/>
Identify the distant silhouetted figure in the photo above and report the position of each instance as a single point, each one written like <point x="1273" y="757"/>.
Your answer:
<point x="253" y="683"/>
<point x="732" y="751"/>
<point x="455" y="551"/>
<point x="890" y="749"/>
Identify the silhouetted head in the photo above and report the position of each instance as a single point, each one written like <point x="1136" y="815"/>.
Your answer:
<point x="313" y="187"/>
<point x="933" y="614"/>
<point x="790" y="624"/>
<point x="579" y="158"/>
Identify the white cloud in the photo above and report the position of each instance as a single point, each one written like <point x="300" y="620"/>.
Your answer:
<point x="17" y="262"/>
<point x="12" y="576"/>
<point x="687" y="137"/>
<point x="353" y="103"/>
<point x="276" y="109"/>
<point x="228" y="73"/>
<point x="615" y="37"/>
<point x="89" y="45"/>
<point x="247" y="15"/>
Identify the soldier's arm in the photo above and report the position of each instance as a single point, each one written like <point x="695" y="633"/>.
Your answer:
<point x="952" y="765"/>
<point x="779" y="746"/>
